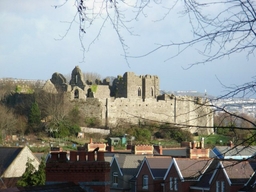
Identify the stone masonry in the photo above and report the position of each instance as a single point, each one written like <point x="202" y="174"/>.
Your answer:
<point x="134" y="99"/>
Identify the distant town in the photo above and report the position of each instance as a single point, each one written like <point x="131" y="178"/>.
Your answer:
<point x="233" y="105"/>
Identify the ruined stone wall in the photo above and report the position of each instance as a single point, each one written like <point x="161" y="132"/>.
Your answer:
<point x="92" y="108"/>
<point x="134" y="111"/>
<point x="102" y="91"/>
<point x="136" y="100"/>
<point x="77" y="78"/>
<point x="181" y="111"/>
<point x="77" y="93"/>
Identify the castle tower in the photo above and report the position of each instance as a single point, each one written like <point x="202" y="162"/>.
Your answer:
<point x="137" y="87"/>
<point x="151" y="86"/>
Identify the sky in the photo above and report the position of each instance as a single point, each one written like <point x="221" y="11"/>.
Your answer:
<point x="33" y="45"/>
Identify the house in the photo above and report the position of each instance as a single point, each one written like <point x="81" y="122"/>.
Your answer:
<point x="124" y="168"/>
<point x="151" y="173"/>
<point x="203" y="183"/>
<point x="184" y="172"/>
<point x="13" y="164"/>
<point x="233" y="152"/>
<point x="232" y="175"/>
<point x="227" y="175"/>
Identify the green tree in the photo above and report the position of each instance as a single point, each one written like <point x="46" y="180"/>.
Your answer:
<point x="64" y="129"/>
<point x="34" y="116"/>
<point x="31" y="176"/>
<point x="180" y="135"/>
<point x="142" y="134"/>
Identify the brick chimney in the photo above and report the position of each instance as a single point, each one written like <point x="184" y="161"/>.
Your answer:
<point x="202" y="143"/>
<point x="159" y="149"/>
<point x="230" y="144"/>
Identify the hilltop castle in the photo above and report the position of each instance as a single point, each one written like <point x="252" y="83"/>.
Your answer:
<point x="133" y="99"/>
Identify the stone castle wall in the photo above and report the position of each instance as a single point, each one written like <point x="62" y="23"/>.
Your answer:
<point x="182" y="112"/>
<point x="135" y="99"/>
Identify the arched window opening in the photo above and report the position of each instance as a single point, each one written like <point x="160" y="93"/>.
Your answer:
<point x="139" y="92"/>
<point x="89" y="93"/>
<point x="76" y="94"/>
<point x="76" y="78"/>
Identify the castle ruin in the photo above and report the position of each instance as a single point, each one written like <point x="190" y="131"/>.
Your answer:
<point x="133" y="99"/>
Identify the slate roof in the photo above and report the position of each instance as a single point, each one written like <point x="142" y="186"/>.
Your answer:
<point x="8" y="154"/>
<point x="176" y="152"/>
<point x="250" y="186"/>
<point x="204" y="182"/>
<point x="237" y="152"/>
<point x="158" y="165"/>
<point x="108" y="157"/>
<point x="239" y="172"/>
<point x="129" y="163"/>
<point x="192" y="168"/>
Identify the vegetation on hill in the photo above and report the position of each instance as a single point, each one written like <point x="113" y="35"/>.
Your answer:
<point x="40" y="113"/>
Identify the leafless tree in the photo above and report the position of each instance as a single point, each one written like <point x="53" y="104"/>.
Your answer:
<point x="8" y="122"/>
<point x="54" y="106"/>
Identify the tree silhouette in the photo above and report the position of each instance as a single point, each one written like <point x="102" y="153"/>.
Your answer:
<point x="34" y="115"/>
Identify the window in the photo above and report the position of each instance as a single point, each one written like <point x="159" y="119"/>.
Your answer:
<point x="139" y="92"/>
<point x="89" y="93"/>
<point x="76" y="79"/>
<point x="175" y="184"/>
<point x="152" y="91"/>
<point x="145" y="182"/>
<point x="171" y="183"/>
<point x="217" y="186"/>
<point x="223" y="186"/>
<point x="76" y="95"/>
<point x="115" y="179"/>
